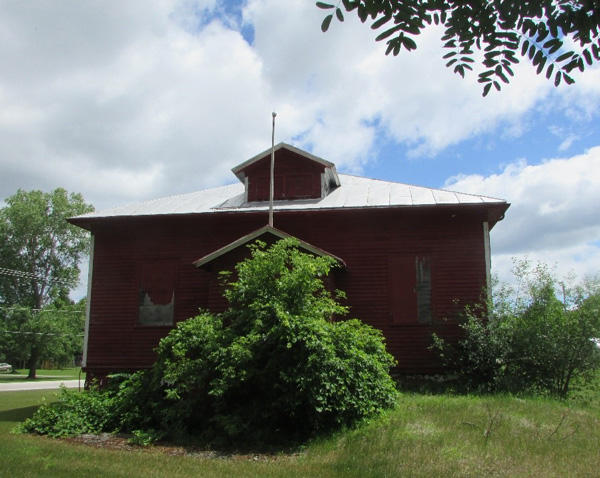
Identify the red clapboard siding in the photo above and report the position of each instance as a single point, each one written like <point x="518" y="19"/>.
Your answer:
<point x="364" y="239"/>
<point x="295" y="177"/>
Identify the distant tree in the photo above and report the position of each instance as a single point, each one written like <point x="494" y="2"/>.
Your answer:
<point x="556" y="36"/>
<point x="39" y="265"/>
<point x="54" y="333"/>
<point x="39" y="250"/>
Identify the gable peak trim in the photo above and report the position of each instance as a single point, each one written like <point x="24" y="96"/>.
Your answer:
<point x="255" y="235"/>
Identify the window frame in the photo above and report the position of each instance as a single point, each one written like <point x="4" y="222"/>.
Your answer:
<point x="411" y="293"/>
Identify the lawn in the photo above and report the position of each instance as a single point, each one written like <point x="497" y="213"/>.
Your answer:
<point x="20" y="375"/>
<point x="425" y="436"/>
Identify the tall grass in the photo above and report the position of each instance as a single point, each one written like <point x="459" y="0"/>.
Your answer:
<point x="425" y="436"/>
<point x="473" y="436"/>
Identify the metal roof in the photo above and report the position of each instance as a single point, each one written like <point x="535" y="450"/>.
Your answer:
<point x="354" y="192"/>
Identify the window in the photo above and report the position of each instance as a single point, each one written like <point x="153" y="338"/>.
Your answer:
<point x="410" y="289"/>
<point x="423" y="278"/>
<point x="290" y="186"/>
<point x="156" y="293"/>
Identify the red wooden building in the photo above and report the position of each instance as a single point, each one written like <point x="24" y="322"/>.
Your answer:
<point x="411" y="256"/>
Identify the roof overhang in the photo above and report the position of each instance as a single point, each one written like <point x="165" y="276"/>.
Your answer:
<point x="496" y="212"/>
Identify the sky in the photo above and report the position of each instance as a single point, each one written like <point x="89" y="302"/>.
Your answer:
<point x="125" y="101"/>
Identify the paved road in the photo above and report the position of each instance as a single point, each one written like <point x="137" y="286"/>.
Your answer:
<point x="39" y="385"/>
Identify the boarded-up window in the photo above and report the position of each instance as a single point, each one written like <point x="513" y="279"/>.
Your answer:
<point x="298" y="186"/>
<point x="410" y="289"/>
<point x="423" y="273"/>
<point x="293" y="186"/>
<point x="156" y="293"/>
<point x="260" y="188"/>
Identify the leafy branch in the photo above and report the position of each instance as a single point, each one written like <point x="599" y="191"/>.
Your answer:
<point x="555" y="36"/>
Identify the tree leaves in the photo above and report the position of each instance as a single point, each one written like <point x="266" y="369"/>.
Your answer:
<point x="326" y="23"/>
<point x="37" y="239"/>
<point x="53" y="333"/>
<point x="537" y="29"/>
<point x="324" y="6"/>
<point x="327" y="20"/>
<point x="387" y="33"/>
<point x="531" y="340"/>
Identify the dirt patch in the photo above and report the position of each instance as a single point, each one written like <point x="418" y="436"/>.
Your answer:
<point x="122" y="443"/>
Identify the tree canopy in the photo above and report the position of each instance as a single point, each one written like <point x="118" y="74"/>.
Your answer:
<point x="54" y="333"/>
<point x="39" y="265"/>
<point x="39" y="250"/>
<point x="556" y="36"/>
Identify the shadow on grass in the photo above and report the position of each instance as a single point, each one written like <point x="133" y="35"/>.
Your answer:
<point x="17" y="415"/>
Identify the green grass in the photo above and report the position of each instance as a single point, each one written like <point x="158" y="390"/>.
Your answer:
<point x="20" y="375"/>
<point x="425" y="436"/>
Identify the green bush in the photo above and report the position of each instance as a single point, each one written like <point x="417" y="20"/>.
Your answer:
<point x="274" y="369"/>
<point x="526" y="339"/>
<point x="585" y="390"/>
<point x="275" y="366"/>
<point x="74" y="413"/>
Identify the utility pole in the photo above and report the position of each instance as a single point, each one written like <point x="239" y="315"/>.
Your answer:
<point x="272" y="185"/>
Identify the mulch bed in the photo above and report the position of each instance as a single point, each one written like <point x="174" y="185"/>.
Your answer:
<point x="122" y="443"/>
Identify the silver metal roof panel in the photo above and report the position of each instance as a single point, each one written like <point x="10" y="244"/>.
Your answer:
<point x="421" y="196"/>
<point x="379" y="193"/>
<point x="353" y="192"/>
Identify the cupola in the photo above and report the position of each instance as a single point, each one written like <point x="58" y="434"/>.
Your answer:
<point x="298" y="175"/>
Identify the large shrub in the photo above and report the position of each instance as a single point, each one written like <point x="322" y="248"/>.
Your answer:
<point x="275" y="368"/>
<point x="535" y="336"/>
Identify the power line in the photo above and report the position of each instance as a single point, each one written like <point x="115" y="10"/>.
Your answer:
<point x="16" y="332"/>
<point x="47" y="311"/>
<point x="28" y="275"/>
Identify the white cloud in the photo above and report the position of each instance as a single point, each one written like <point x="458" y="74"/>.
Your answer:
<point x="122" y="101"/>
<point x="553" y="216"/>
<point x="125" y="101"/>
<point x="567" y="137"/>
<point x="346" y="87"/>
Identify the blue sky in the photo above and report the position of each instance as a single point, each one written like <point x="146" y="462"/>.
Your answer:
<point x="130" y="101"/>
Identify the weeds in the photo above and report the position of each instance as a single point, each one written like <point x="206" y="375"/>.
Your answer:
<point x="493" y="421"/>
<point x="424" y="436"/>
